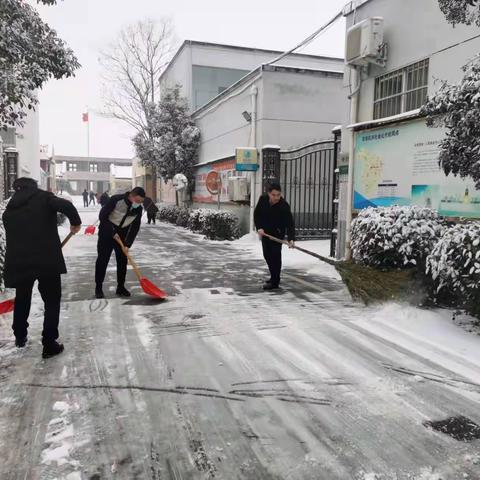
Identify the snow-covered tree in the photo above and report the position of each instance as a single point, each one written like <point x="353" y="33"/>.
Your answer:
<point x="30" y="54"/>
<point x="172" y="144"/>
<point x="461" y="11"/>
<point x="457" y="107"/>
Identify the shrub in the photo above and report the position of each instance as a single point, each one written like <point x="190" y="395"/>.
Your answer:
<point x="454" y="265"/>
<point x="395" y="237"/>
<point x="60" y="219"/>
<point x="196" y="220"/>
<point x="183" y="217"/>
<point x="168" y="213"/>
<point x="218" y="225"/>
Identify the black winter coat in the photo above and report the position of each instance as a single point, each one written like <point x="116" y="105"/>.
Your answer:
<point x="149" y="206"/>
<point x="33" y="244"/>
<point x="276" y="220"/>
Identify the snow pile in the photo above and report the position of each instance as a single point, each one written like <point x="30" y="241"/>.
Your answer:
<point x="395" y="237"/>
<point x="454" y="263"/>
<point x="214" y="224"/>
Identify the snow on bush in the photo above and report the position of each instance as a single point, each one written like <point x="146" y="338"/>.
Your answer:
<point x="454" y="263"/>
<point x="395" y="237"/>
<point x="218" y="225"/>
<point x="214" y="224"/>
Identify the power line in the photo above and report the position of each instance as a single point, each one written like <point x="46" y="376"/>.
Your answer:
<point x="310" y="38"/>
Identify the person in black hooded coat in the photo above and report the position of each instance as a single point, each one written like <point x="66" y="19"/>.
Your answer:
<point x="34" y="253"/>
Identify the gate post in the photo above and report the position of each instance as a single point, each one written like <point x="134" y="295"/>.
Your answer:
<point x="270" y="165"/>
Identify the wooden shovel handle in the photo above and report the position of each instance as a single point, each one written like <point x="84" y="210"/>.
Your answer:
<point x="130" y="259"/>
<point x="308" y="252"/>
<point x="67" y="238"/>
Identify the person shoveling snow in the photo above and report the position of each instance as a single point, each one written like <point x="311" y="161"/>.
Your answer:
<point x="273" y="217"/>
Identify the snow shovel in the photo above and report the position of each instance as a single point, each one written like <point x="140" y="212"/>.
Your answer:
<point x="90" y="230"/>
<point x="7" y="306"/>
<point x="147" y="286"/>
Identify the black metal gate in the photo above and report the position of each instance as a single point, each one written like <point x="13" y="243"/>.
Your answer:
<point x="306" y="175"/>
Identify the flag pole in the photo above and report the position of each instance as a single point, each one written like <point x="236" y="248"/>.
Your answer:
<point x="88" y="133"/>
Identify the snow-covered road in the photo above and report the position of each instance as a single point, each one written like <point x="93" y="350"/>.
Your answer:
<point x="224" y="381"/>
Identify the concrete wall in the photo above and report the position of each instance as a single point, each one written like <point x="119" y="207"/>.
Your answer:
<point x="180" y="72"/>
<point x="300" y="108"/>
<point x="414" y="31"/>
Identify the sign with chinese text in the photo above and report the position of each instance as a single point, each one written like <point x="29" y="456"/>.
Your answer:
<point x="246" y="159"/>
<point x="398" y="165"/>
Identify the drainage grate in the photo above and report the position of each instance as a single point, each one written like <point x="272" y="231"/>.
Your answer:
<point x="460" y="428"/>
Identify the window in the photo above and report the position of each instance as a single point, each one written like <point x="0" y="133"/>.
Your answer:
<point x="401" y="91"/>
<point x="93" y="167"/>
<point x="72" y="167"/>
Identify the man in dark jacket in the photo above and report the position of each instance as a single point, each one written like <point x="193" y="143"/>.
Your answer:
<point x="34" y="253"/>
<point x="274" y="217"/>
<point x="85" y="198"/>
<point x="151" y="209"/>
<point x="92" y="198"/>
<point x="104" y="197"/>
<point x="121" y="215"/>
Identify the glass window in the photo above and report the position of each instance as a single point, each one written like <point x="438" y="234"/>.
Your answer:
<point x="401" y="91"/>
<point x="93" y="167"/>
<point x="72" y="167"/>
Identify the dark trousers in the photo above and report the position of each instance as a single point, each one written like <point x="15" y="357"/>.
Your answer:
<point x="92" y="200"/>
<point x="151" y="217"/>
<point x="50" y="289"/>
<point x="272" y="252"/>
<point x="106" y="244"/>
<point x="85" y="202"/>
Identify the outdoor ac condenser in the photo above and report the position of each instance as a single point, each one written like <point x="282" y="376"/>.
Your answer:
<point x="238" y="189"/>
<point x="364" y="42"/>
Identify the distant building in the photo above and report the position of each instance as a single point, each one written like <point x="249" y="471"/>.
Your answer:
<point x="120" y="179"/>
<point x="47" y="170"/>
<point x="75" y="174"/>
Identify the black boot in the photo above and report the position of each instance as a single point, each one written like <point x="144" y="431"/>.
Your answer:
<point x="52" y="349"/>
<point x="123" y="292"/>
<point x="270" y="286"/>
<point x="99" y="292"/>
<point x="20" y="342"/>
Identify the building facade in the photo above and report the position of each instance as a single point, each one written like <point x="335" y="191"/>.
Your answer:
<point x="75" y="174"/>
<point x="238" y="100"/>
<point x="21" y="152"/>
<point x="205" y="70"/>
<point x="392" y="154"/>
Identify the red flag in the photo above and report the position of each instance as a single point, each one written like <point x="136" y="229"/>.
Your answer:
<point x="85" y="117"/>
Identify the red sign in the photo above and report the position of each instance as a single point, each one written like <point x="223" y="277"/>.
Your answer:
<point x="213" y="182"/>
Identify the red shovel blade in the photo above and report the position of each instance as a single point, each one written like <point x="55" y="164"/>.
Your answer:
<point x="150" y="289"/>
<point x="7" y="306"/>
<point x="90" y="230"/>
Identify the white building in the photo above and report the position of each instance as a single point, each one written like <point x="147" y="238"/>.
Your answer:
<point x="120" y="179"/>
<point x="239" y="100"/>
<point x="204" y="70"/>
<point x="393" y="154"/>
<point x="21" y="152"/>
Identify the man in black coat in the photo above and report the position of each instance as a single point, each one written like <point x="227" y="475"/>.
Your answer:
<point x="274" y="217"/>
<point x="34" y="253"/>
<point x="85" y="198"/>
<point x="151" y="209"/>
<point x="121" y="215"/>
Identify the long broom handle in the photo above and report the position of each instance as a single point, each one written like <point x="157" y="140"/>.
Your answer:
<point x="308" y="252"/>
<point x="130" y="259"/>
<point x="67" y="238"/>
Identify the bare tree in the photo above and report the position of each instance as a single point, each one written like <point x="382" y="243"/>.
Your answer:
<point x="131" y="69"/>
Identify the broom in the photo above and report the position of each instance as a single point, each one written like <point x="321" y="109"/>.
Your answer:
<point x="365" y="283"/>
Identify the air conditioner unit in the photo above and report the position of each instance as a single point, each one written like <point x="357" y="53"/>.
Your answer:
<point x="238" y="189"/>
<point x="364" y="43"/>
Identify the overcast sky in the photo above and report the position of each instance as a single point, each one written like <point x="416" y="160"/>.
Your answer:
<point x="88" y="25"/>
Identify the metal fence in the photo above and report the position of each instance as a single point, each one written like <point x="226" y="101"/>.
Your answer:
<point x="307" y="178"/>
